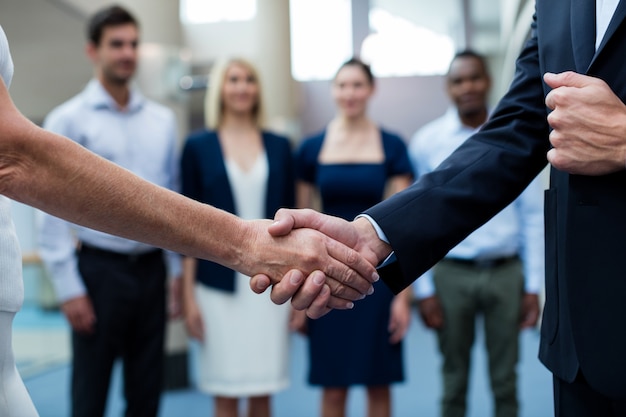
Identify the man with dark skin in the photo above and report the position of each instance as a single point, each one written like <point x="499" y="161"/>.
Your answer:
<point x="495" y="273"/>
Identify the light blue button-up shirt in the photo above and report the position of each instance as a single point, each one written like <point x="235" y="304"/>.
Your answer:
<point x="141" y="138"/>
<point x="516" y="230"/>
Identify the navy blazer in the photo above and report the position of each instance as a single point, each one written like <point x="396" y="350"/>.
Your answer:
<point x="204" y="178"/>
<point x="585" y="217"/>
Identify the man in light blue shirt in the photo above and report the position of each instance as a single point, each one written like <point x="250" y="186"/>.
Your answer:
<point x="496" y="272"/>
<point x="111" y="289"/>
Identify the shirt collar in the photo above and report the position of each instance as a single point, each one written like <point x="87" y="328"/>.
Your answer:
<point x="454" y="121"/>
<point x="98" y="97"/>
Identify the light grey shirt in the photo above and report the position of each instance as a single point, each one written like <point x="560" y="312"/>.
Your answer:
<point x="516" y="230"/>
<point x="141" y="138"/>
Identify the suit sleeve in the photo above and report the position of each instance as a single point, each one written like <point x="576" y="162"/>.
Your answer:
<point x="480" y="178"/>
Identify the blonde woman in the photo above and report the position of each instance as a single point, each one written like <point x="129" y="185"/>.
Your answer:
<point x="237" y="166"/>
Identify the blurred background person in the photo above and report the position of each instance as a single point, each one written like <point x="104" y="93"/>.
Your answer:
<point x="352" y="165"/>
<point x="496" y="272"/>
<point x="236" y="165"/>
<point x="113" y="290"/>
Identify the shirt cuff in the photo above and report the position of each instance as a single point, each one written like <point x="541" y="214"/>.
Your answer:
<point x="66" y="281"/>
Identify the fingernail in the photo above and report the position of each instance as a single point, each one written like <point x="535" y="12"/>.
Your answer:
<point x="375" y="277"/>
<point x="295" y="279"/>
<point x="370" y="291"/>
<point x="319" y="279"/>
<point x="350" y="306"/>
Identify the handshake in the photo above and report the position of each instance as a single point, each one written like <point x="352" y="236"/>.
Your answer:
<point x="318" y="261"/>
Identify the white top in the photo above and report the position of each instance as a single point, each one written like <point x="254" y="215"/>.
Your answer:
<point x="141" y="138"/>
<point x="231" y="362"/>
<point x="516" y="230"/>
<point x="249" y="188"/>
<point x="11" y="285"/>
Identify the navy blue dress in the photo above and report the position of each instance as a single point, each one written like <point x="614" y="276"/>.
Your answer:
<point x="350" y="347"/>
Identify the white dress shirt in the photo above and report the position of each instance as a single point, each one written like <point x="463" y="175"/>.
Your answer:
<point x="605" y="9"/>
<point x="141" y="138"/>
<point x="516" y="230"/>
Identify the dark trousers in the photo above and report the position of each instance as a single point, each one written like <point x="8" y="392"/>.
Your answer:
<point x="128" y="296"/>
<point x="578" y="399"/>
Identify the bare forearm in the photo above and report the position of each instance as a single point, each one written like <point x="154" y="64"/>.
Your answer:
<point x="56" y="175"/>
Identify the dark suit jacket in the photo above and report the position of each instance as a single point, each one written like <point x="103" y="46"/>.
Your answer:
<point x="585" y="216"/>
<point x="204" y="178"/>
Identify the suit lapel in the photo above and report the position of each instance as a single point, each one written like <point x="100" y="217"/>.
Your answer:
<point x="616" y="21"/>
<point x="583" y="15"/>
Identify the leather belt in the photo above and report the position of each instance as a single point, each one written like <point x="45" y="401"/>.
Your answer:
<point x="123" y="257"/>
<point x="482" y="263"/>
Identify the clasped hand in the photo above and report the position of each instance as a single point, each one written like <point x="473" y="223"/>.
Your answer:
<point x="327" y="287"/>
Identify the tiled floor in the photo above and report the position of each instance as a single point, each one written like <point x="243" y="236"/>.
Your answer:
<point x="42" y="351"/>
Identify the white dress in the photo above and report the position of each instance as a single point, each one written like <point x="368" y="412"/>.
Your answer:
<point x="246" y="340"/>
<point x="14" y="399"/>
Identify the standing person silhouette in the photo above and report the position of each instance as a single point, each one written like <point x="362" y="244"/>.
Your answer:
<point x="352" y="164"/>
<point x="494" y="274"/>
<point x="236" y="165"/>
<point x="113" y="290"/>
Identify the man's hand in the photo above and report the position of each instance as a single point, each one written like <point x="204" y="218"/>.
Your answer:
<point x="530" y="311"/>
<point x="80" y="314"/>
<point x="311" y="293"/>
<point x="589" y="125"/>
<point x="358" y="234"/>
<point x="349" y="274"/>
<point x="431" y="312"/>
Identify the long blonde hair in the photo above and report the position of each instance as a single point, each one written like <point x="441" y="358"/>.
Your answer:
<point x="213" y="103"/>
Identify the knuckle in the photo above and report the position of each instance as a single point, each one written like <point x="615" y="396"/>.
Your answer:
<point x="330" y="271"/>
<point x="352" y="257"/>
<point x="349" y="276"/>
<point x="554" y="119"/>
<point x="338" y="290"/>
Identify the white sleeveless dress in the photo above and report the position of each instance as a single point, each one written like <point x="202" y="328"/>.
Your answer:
<point x="14" y="399"/>
<point x="246" y="347"/>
